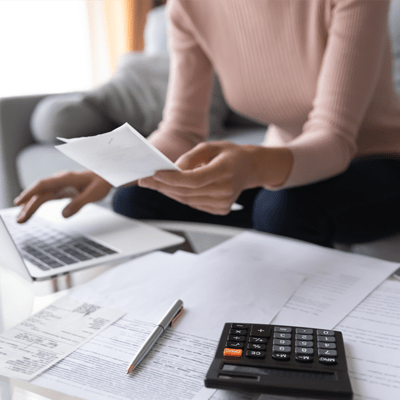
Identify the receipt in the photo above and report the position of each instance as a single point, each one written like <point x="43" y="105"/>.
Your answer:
<point x="50" y="335"/>
<point x="120" y="156"/>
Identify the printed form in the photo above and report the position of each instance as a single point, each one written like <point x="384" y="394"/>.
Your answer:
<point x="178" y="363"/>
<point x="336" y="281"/>
<point x="51" y="334"/>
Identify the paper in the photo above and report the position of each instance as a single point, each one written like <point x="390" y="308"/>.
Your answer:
<point x="173" y="369"/>
<point x="120" y="156"/>
<point x="51" y="334"/>
<point x="212" y="293"/>
<point x="336" y="281"/>
<point x="372" y="338"/>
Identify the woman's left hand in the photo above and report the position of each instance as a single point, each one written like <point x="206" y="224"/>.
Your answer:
<point x="213" y="176"/>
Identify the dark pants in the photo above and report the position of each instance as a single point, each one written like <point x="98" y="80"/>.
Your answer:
<point x="359" y="205"/>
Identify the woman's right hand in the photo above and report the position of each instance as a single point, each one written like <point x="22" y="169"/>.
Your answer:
<point x="83" y="187"/>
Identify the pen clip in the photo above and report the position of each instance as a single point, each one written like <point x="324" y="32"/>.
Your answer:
<point x="177" y="316"/>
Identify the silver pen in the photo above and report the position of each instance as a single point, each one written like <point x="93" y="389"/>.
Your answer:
<point x="169" y="319"/>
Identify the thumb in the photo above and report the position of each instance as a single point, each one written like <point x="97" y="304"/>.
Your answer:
<point x="197" y="157"/>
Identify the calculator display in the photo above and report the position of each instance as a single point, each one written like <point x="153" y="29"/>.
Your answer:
<point x="282" y="360"/>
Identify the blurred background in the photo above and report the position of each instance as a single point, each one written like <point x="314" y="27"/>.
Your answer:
<point x="55" y="46"/>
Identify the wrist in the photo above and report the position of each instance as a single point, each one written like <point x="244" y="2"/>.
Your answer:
<point x="269" y="166"/>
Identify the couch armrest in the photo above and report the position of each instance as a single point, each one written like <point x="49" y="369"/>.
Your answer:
<point x="15" y="134"/>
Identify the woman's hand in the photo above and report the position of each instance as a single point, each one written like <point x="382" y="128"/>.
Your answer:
<point x="215" y="173"/>
<point x="83" y="187"/>
<point x="213" y="176"/>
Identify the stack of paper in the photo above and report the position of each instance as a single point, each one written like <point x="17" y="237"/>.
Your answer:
<point x="253" y="278"/>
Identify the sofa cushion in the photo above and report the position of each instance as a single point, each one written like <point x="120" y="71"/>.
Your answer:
<point x="41" y="161"/>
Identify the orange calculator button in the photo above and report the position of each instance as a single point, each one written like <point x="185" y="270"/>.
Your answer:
<point x="233" y="352"/>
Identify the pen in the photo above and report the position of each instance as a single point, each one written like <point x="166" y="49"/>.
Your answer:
<point x="169" y="319"/>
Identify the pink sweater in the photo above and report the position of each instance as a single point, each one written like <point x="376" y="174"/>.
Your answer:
<point x="318" y="71"/>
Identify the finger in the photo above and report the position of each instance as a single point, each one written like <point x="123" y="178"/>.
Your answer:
<point x="31" y="207"/>
<point x="207" y="204"/>
<point x="201" y="176"/>
<point x="213" y="190"/>
<point x="93" y="192"/>
<point x="44" y="186"/>
<point x="202" y="154"/>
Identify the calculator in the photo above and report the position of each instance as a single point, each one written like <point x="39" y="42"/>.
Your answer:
<point x="281" y="360"/>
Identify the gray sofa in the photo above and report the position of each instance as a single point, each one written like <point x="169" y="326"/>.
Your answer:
<point x="23" y="160"/>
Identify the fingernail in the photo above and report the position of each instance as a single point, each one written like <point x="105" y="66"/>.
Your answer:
<point x="21" y="216"/>
<point x="67" y="213"/>
<point x="16" y="199"/>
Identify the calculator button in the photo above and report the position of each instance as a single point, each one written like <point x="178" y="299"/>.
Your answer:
<point x="283" y="329"/>
<point x="281" y="356"/>
<point x="240" y="326"/>
<point x="303" y="350"/>
<point x="330" y="353"/>
<point x="303" y="358"/>
<point x="325" y="333"/>
<point x="236" y="338"/>
<point x="327" y="360"/>
<point x="282" y="335"/>
<point x="233" y="352"/>
<point x="257" y="340"/>
<point x="261" y="330"/>
<point x="256" y="346"/>
<point x="304" y="337"/>
<point x="238" y="332"/>
<point x="281" y="349"/>
<point x="302" y="343"/>
<point x="304" y="331"/>
<point x="235" y="345"/>
<point x="326" y="339"/>
<point x="255" y="354"/>
<point x="322" y="345"/>
<point x="282" y="342"/>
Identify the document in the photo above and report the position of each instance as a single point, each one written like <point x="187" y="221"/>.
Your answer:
<point x="120" y="156"/>
<point x="371" y="333"/>
<point x="145" y="287"/>
<point x="336" y="281"/>
<point x="173" y="369"/>
<point x="51" y="334"/>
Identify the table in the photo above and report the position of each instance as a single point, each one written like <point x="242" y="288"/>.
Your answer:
<point x="15" y="307"/>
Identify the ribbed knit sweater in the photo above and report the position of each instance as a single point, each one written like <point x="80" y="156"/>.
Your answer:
<point x="317" y="71"/>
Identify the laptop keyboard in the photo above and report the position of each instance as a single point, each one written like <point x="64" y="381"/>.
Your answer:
<point x="47" y="247"/>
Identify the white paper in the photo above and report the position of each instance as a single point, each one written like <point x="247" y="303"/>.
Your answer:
<point x="213" y="293"/>
<point x="173" y="369"/>
<point x="372" y="338"/>
<point x="147" y="287"/>
<point x="51" y="334"/>
<point x="336" y="281"/>
<point x="120" y="156"/>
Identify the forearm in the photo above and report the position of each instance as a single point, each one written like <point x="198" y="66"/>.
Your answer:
<point x="269" y="166"/>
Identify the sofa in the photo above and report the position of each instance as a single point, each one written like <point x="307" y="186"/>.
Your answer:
<point x="24" y="159"/>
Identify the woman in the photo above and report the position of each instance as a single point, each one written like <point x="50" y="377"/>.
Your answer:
<point x="319" y="73"/>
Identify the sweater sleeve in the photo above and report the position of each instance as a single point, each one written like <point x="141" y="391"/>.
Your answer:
<point x="186" y="115"/>
<point x="349" y="73"/>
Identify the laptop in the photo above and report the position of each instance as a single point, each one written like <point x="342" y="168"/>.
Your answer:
<point x="49" y="245"/>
